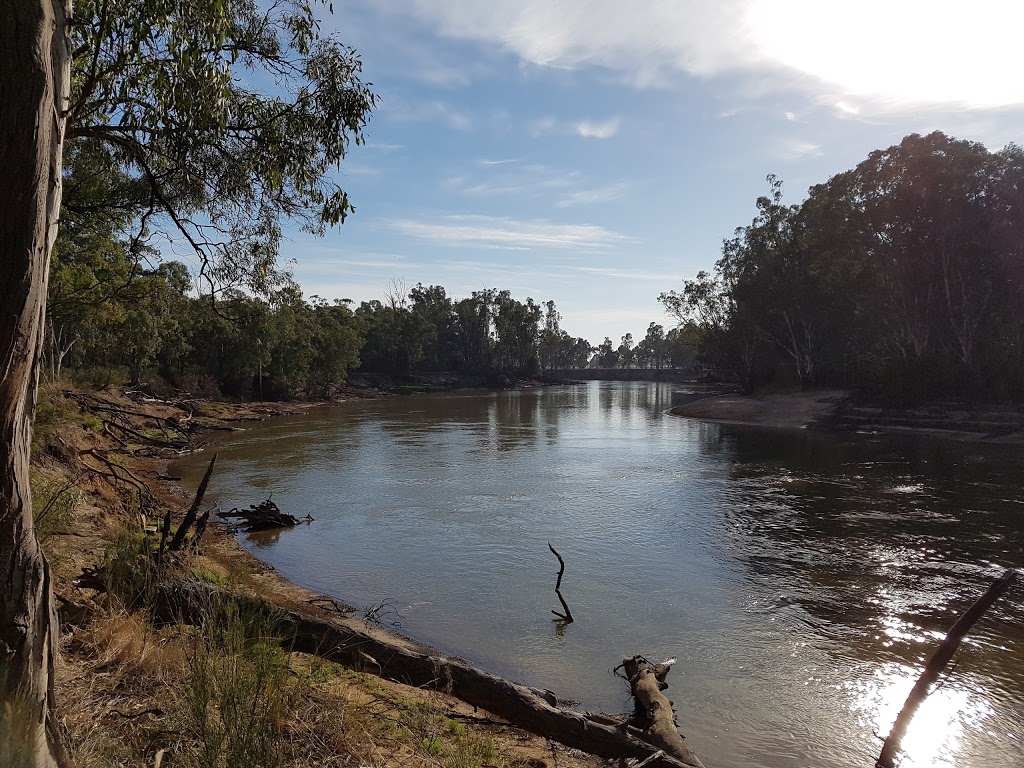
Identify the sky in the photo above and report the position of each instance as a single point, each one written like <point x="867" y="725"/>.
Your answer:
<point x="597" y="153"/>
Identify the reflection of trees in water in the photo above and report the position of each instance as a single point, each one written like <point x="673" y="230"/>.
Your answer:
<point x="878" y="540"/>
<point x="502" y="421"/>
<point x="628" y="399"/>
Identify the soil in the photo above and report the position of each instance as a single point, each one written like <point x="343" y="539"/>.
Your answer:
<point x="114" y="688"/>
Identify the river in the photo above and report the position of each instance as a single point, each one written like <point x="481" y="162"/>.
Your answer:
<point x="800" y="578"/>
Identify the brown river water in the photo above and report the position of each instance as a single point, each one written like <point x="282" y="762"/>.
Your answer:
<point x="800" y="578"/>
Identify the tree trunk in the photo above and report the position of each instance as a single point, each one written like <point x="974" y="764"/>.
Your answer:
<point x="35" y="62"/>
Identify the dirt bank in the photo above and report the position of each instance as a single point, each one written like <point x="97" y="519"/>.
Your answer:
<point x="792" y="411"/>
<point x="126" y="684"/>
<point x="842" y="411"/>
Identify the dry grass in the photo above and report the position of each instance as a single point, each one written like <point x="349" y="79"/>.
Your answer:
<point x="127" y="643"/>
<point x="127" y="690"/>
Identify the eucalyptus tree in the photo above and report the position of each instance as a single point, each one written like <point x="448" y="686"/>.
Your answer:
<point x="171" y="91"/>
<point x="627" y="351"/>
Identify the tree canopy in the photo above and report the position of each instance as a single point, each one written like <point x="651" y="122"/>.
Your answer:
<point x="904" y="274"/>
<point x="199" y="125"/>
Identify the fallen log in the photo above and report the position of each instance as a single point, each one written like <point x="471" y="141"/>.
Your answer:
<point x="344" y="641"/>
<point x="654" y="710"/>
<point x="262" y="517"/>
<point x="937" y="663"/>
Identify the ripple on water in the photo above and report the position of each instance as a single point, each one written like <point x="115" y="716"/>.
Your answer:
<point x="800" y="578"/>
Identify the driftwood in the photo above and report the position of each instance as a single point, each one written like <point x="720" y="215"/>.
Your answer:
<point x="344" y="641"/>
<point x="190" y="516"/>
<point x="937" y="663"/>
<point x="653" y="708"/>
<point x="262" y="517"/>
<point x="567" y="616"/>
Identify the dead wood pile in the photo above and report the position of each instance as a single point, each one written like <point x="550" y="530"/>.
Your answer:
<point x="262" y="517"/>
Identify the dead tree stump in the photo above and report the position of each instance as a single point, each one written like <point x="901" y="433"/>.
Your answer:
<point x="654" y="710"/>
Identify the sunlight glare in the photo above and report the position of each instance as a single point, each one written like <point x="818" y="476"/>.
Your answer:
<point x="934" y="735"/>
<point x="899" y="51"/>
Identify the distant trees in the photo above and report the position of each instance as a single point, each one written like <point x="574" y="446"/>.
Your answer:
<point x="487" y="332"/>
<point x="903" y="274"/>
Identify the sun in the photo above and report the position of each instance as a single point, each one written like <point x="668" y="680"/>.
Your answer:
<point x="899" y="52"/>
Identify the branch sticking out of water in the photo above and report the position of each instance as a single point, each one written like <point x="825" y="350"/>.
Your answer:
<point x="567" y="616"/>
<point x="937" y="663"/>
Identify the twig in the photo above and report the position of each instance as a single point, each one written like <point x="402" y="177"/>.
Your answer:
<point x="567" y="616"/>
<point x="650" y="759"/>
<point x="937" y="663"/>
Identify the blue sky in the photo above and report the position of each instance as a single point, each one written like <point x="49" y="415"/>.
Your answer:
<point x="597" y="153"/>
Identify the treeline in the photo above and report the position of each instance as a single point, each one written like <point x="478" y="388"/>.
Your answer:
<point x="904" y="275"/>
<point x="675" y="349"/>
<point x="109" y="319"/>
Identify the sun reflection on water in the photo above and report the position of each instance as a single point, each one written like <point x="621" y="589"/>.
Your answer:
<point x="935" y="733"/>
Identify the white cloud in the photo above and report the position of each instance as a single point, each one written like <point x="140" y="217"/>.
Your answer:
<point x="500" y="232"/>
<point x="891" y="53"/>
<point x="644" y="40"/>
<point x="592" y="130"/>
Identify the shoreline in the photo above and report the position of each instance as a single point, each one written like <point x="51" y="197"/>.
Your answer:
<point x="841" y="411"/>
<point x="85" y="541"/>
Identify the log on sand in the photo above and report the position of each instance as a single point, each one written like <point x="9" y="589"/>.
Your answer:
<point x="344" y="640"/>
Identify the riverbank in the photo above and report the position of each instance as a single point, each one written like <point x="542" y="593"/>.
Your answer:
<point x="799" y="410"/>
<point x="843" y="411"/>
<point x="126" y="687"/>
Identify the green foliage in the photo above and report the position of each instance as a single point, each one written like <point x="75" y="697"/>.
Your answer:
<point x="164" y="94"/>
<point x="54" y="413"/>
<point x="238" y="693"/>
<point x="54" y="503"/>
<point x="904" y="273"/>
<point x="130" y="570"/>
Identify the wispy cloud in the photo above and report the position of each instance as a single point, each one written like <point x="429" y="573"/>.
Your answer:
<point x="499" y="232"/>
<point x="382" y="147"/>
<point x="796" y="149"/>
<point x="628" y="274"/>
<point x="594" y="196"/>
<point x="417" y="112"/>
<point x="498" y="162"/>
<point x="591" y="130"/>
<point x="588" y="129"/>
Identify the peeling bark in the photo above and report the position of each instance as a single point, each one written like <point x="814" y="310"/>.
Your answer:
<point x="654" y="709"/>
<point x="34" y="60"/>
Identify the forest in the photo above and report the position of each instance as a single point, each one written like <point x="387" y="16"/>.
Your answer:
<point x="118" y="312"/>
<point x="903" y="276"/>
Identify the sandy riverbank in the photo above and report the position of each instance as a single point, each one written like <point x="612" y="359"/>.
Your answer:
<point x="841" y="411"/>
<point x="797" y="410"/>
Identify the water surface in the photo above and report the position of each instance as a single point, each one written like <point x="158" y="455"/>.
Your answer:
<point x="800" y="578"/>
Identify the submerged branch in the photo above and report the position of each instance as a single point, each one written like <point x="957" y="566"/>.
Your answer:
<point x="567" y="616"/>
